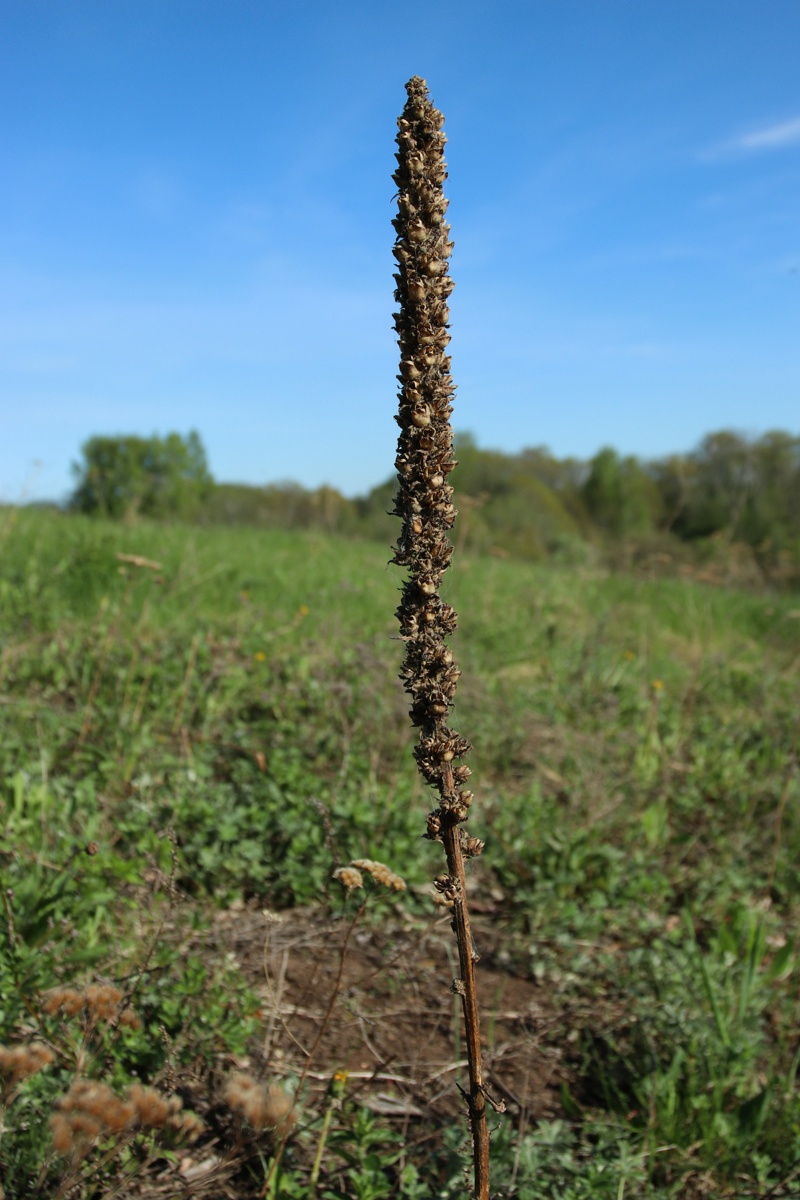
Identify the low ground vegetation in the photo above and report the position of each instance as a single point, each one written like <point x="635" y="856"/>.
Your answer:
<point x="199" y="727"/>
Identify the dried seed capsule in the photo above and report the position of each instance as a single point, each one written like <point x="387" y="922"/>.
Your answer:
<point x="409" y="369"/>
<point x="471" y="846"/>
<point x="434" y="825"/>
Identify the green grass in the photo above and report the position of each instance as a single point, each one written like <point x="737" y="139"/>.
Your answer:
<point x="635" y="772"/>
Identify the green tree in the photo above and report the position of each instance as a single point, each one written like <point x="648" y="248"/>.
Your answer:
<point x="126" y="476"/>
<point x="722" y="485"/>
<point x="619" y="495"/>
<point x="522" y="503"/>
<point x="772" y="514"/>
<point x="673" y="477"/>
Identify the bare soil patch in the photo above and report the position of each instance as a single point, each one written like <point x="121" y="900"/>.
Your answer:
<point x="378" y="1004"/>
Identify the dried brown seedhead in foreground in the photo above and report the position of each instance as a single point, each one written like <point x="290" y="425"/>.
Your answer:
<point x="97" y="1002"/>
<point x="20" y="1062"/>
<point x="425" y="451"/>
<point x="91" y="1110"/>
<point x="352" y="876"/>
<point x="264" y="1106"/>
<point x="424" y="503"/>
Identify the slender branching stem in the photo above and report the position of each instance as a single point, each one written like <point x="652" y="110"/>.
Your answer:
<point x="424" y="503"/>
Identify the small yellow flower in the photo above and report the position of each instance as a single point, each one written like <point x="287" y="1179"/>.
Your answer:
<point x="338" y="1084"/>
<point x="657" y="685"/>
<point x="303" y="610"/>
<point x="260" y="656"/>
<point x="629" y="655"/>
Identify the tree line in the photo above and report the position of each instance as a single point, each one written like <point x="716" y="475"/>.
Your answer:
<point x="730" y="491"/>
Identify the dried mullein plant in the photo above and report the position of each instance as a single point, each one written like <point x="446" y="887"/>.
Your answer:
<point x="424" y="503"/>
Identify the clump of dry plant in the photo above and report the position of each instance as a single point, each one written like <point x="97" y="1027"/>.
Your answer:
<point x="91" y="1126"/>
<point x="349" y="877"/>
<point x="91" y="1110"/>
<point x="264" y="1106"/>
<point x="352" y="876"/>
<point x="97" y="1002"/>
<point x="20" y="1062"/>
<point x="424" y="503"/>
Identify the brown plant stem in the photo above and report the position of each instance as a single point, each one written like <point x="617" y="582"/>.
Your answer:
<point x="467" y="958"/>
<point x="424" y="503"/>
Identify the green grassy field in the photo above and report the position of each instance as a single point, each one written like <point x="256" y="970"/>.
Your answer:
<point x="226" y="728"/>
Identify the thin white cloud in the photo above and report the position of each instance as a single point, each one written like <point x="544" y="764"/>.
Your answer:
<point x="770" y="137"/>
<point x="786" y="133"/>
<point x="777" y="136"/>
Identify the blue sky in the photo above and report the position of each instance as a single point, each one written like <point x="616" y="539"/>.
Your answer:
<point x="195" y="209"/>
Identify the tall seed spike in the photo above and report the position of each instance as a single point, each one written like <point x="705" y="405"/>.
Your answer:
<point x="423" y="504"/>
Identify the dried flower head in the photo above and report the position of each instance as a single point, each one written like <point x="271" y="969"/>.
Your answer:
<point x="62" y="1134"/>
<point x="380" y="873"/>
<point x="102" y="1001"/>
<point x="349" y="877"/>
<point x="68" y="1000"/>
<point x="89" y="1110"/>
<point x="151" y="1107"/>
<point x="264" y="1106"/>
<point x="99" y="1001"/>
<point x="20" y="1062"/>
<point x="154" y="1110"/>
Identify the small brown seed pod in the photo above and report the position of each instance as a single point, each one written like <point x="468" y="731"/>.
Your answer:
<point x="471" y="846"/>
<point x="434" y="824"/>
